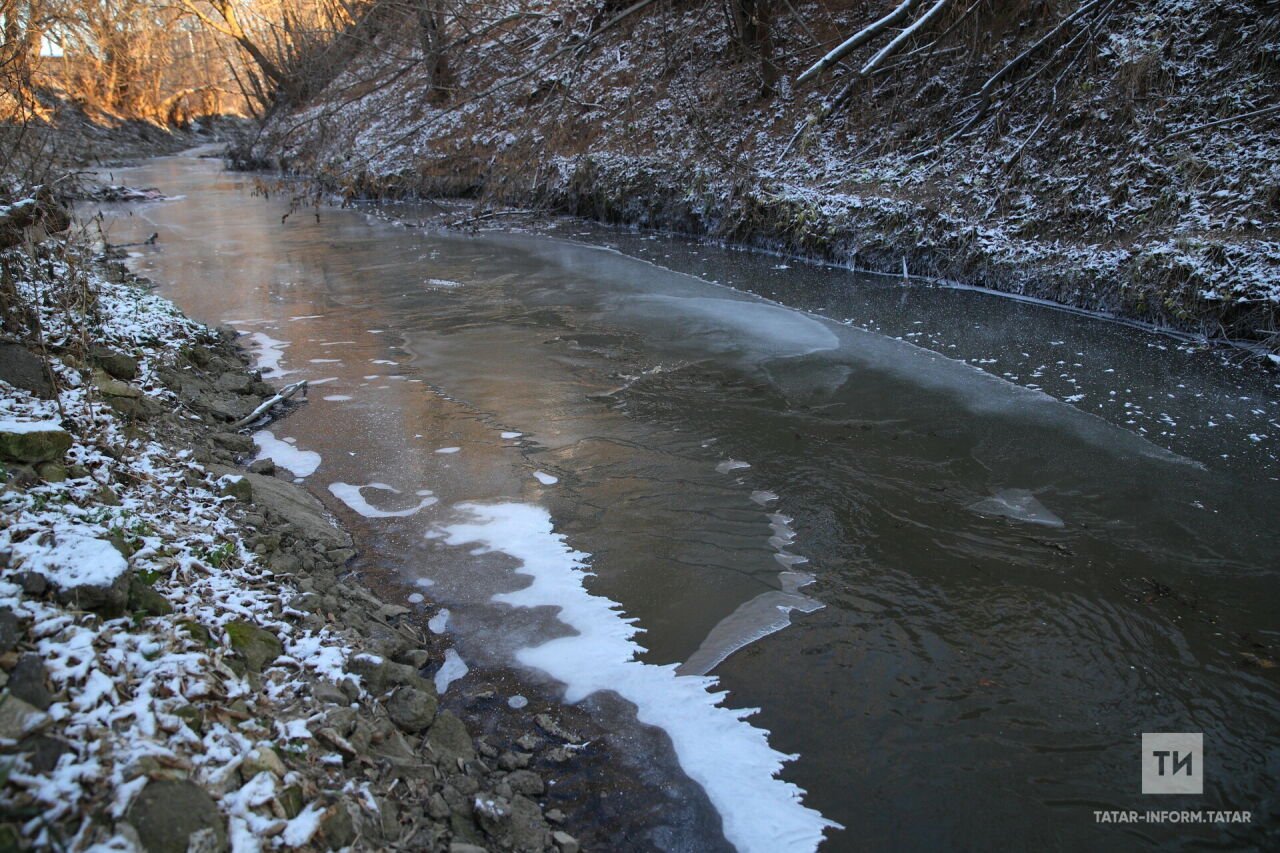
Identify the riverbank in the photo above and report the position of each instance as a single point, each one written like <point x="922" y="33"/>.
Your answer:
<point x="186" y="661"/>
<point x="1128" y="192"/>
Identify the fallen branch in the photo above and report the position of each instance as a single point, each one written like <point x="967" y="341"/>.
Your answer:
<point x="855" y="41"/>
<point x="1254" y="114"/>
<point x="496" y="213"/>
<point x="284" y="394"/>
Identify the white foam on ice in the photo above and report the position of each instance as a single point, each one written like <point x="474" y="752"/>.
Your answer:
<point x="453" y="668"/>
<point x="337" y="398"/>
<point x="439" y="622"/>
<point x="416" y="598"/>
<point x="731" y="465"/>
<point x="545" y="479"/>
<point x="512" y="434"/>
<point x="1018" y="504"/>
<point x="763" y="497"/>
<point x="447" y="449"/>
<point x="716" y="747"/>
<point x="301" y="463"/>
<point x="353" y="497"/>
<point x="517" y="701"/>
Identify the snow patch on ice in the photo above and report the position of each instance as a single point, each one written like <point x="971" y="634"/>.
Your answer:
<point x="1018" y="504"/>
<point x="545" y="478"/>
<point x="453" y="668"/>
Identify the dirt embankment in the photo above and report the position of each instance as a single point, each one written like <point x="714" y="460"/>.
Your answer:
<point x="1128" y="164"/>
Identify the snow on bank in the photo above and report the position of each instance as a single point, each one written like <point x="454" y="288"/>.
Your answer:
<point x="716" y="747"/>
<point x="302" y="463"/>
<point x="121" y="686"/>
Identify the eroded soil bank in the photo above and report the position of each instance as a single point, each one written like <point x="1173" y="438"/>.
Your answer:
<point x="1116" y="181"/>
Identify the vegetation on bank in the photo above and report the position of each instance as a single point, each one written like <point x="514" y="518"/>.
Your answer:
<point x="1107" y="154"/>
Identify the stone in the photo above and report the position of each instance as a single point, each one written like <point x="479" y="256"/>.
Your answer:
<point x="9" y="631"/>
<point x="515" y="824"/>
<point x="290" y="799"/>
<point x="236" y="486"/>
<point x="234" y="441"/>
<point x="143" y="599"/>
<point x="238" y="383"/>
<point x="169" y="815"/>
<point x="329" y="693"/>
<point x="437" y="808"/>
<point x="33" y="442"/>
<point x="116" y="364"/>
<point x="255" y="646"/>
<point x="410" y="709"/>
<point x="337" y="827"/>
<point x="22" y="368"/>
<point x="44" y="752"/>
<point x="293" y="505"/>
<point x="527" y="782"/>
<point x="262" y="759"/>
<point x="52" y="472"/>
<point x="340" y="556"/>
<point x="416" y="658"/>
<point x="265" y="467"/>
<point x="32" y="583"/>
<point x="566" y="842"/>
<point x="449" y="739"/>
<point x="114" y="390"/>
<point x="19" y="718"/>
<point x="27" y="682"/>
<point x="464" y="847"/>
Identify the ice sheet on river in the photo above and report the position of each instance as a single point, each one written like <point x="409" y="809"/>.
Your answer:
<point x="1018" y="504"/>
<point x="716" y="747"/>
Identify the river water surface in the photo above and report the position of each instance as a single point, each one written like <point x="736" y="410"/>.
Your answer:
<point x="959" y="551"/>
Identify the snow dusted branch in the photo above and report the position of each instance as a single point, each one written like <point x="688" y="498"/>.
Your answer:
<point x="1186" y="131"/>
<point x="989" y="86"/>
<point x="857" y="40"/>
<point x="902" y="38"/>
<point x="285" y="393"/>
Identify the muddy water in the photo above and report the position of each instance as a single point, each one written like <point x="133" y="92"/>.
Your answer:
<point x="990" y="593"/>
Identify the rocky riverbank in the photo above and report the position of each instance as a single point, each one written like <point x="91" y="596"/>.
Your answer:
<point x="186" y="662"/>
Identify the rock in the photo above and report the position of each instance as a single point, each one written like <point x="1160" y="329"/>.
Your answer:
<point x="416" y="658"/>
<point x="116" y="364"/>
<point x="88" y="573"/>
<point x="41" y="441"/>
<point x="515" y="824"/>
<point x="19" y="718"/>
<point x="144" y="599"/>
<point x="449" y="739"/>
<point x="27" y="682"/>
<point x="22" y="368"/>
<point x="329" y="693"/>
<point x="119" y="395"/>
<point x="410" y="709"/>
<point x="464" y="847"/>
<point x="262" y="759"/>
<point x="551" y="727"/>
<point x="9" y="632"/>
<point x="566" y="842"/>
<point x="255" y="646"/>
<point x="236" y="486"/>
<point x="52" y="472"/>
<point x="293" y="505"/>
<point x="340" y="556"/>
<point x="527" y="782"/>
<point x="265" y="467"/>
<point x="44" y="752"/>
<point x="171" y="816"/>
<point x="290" y="799"/>
<point x="337" y="827"/>
<point x="32" y="583"/>
<point x="234" y="441"/>
<point x="238" y="383"/>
